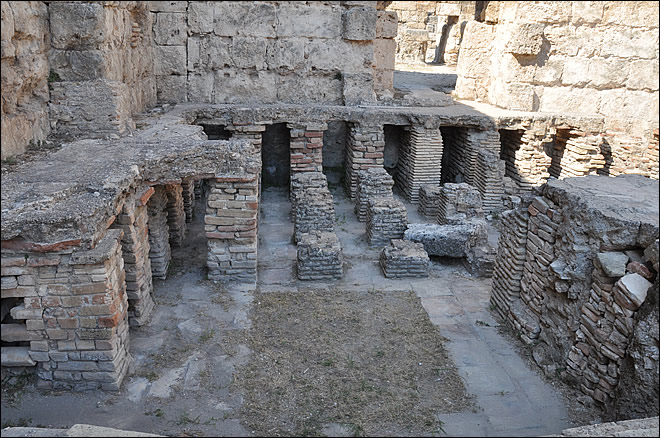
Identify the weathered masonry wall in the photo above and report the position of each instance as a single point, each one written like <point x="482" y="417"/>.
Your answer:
<point x="102" y="66"/>
<point x="25" y="44"/>
<point x="430" y="31"/>
<point x="266" y="52"/>
<point x="574" y="57"/>
<point x="576" y="276"/>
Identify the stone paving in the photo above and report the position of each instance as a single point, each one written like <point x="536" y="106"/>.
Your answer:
<point x="512" y="399"/>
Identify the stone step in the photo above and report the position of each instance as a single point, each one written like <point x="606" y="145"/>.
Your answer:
<point x="18" y="333"/>
<point x="16" y="357"/>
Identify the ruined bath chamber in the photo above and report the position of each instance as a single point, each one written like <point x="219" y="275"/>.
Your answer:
<point x="81" y="246"/>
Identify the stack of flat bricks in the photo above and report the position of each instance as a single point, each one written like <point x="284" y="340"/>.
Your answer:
<point x="404" y="258"/>
<point x="387" y="219"/>
<point x="159" y="234"/>
<point x="74" y="305"/>
<point x="188" y="187"/>
<point x="364" y="149"/>
<point x="420" y="160"/>
<point x="531" y="161"/>
<point x="315" y="210"/>
<point x="302" y="181"/>
<point x="231" y="228"/>
<point x="607" y="323"/>
<point x="306" y="147"/>
<point x="135" y="245"/>
<point x="489" y="180"/>
<point x="510" y="259"/>
<point x="176" y="215"/>
<point x="429" y="199"/>
<point x="459" y="203"/>
<point x="319" y="256"/>
<point x="582" y="155"/>
<point x="372" y="182"/>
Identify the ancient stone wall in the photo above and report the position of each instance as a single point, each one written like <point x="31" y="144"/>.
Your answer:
<point x="102" y="66"/>
<point x="264" y="52"/>
<point x="430" y="31"/>
<point x="579" y="57"/>
<point x="25" y="44"/>
<point x="574" y="275"/>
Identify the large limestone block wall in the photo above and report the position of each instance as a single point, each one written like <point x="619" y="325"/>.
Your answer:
<point x="264" y="52"/>
<point x="427" y="28"/>
<point x="25" y="45"/>
<point x="101" y="62"/>
<point x="576" y="57"/>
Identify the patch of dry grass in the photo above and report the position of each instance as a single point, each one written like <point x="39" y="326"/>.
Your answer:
<point x="370" y="361"/>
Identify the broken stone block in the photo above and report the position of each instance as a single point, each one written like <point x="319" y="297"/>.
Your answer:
<point x="613" y="263"/>
<point x="446" y="240"/>
<point x="631" y="290"/>
<point x="359" y="24"/>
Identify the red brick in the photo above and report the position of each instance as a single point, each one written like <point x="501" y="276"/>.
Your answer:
<point x="111" y="321"/>
<point x="44" y="261"/>
<point x="216" y="235"/>
<point x="51" y="301"/>
<point x="88" y="288"/>
<point x="311" y="134"/>
<point x="146" y="195"/>
<point x="68" y="323"/>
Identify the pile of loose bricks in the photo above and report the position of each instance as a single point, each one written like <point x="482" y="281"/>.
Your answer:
<point x="319" y="252"/>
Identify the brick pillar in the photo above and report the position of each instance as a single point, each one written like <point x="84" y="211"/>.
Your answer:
<point x="160" y="253"/>
<point x="364" y="149"/>
<point x="176" y="214"/>
<point x="420" y="160"/>
<point x="477" y="141"/>
<point x="231" y="228"/>
<point x="74" y="304"/>
<point x="307" y="147"/>
<point x="133" y="220"/>
<point x="489" y="180"/>
<point x="188" y="187"/>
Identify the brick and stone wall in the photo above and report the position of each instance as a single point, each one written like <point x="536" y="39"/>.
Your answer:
<point x="25" y="95"/>
<point x="573" y="57"/>
<point x="576" y="275"/>
<point x="75" y="308"/>
<point x="102" y="66"/>
<point x="231" y="228"/>
<point x="265" y="52"/>
<point x="306" y="147"/>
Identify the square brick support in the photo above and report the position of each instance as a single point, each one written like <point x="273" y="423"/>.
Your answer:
<point x="420" y="160"/>
<point x="386" y="219"/>
<point x="176" y="214"/>
<point x="306" y="147"/>
<point x="364" y="149"/>
<point x="404" y="259"/>
<point x="160" y="252"/>
<point x="319" y="256"/>
<point x="372" y="182"/>
<point x="133" y="220"/>
<point x="231" y="228"/>
<point x="76" y="313"/>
